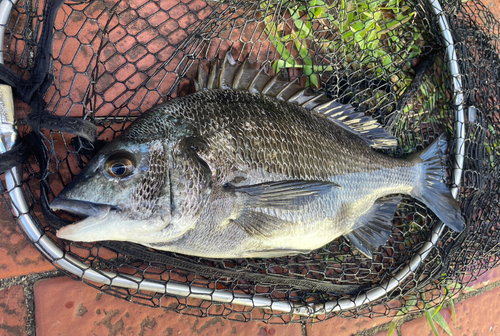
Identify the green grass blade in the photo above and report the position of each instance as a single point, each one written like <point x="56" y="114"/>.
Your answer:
<point x="431" y="322"/>
<point x="453" y="311"/>
<point x="393" y="324"/>
<point x="442" y="323"/>
<point x="438" y="309"/>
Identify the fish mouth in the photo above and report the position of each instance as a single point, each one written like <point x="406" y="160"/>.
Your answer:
<point x="82" y="208"/>
<point x="103" y="222"/>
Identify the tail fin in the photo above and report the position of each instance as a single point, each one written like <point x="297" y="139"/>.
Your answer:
<point x="432" y="190"/>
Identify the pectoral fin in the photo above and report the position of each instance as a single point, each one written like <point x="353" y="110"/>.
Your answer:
<point x="284" y="195"/>
<point x="374" y="228"/>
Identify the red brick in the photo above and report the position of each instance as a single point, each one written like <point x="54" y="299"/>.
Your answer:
<point x="196" y="5"/>
<point x="13" y="312"/>
<point x="79" y="92"/>
<point x="494" y="7"/>
<point x="158" y="19"/>
<point x="117" y="33"/>
<point x="69" y="51"/>
<point x="148" y="9"/>
<point x="488" y="277"/>
<point x="94" y="9"/>
<point x="137" y="26"/>
<point x="346" y="326"/>
<point x="127" y="16"/>
<point x="83" y="58"/>
<point x="17" y="255"/>
<point x="67" y="307"/>
<point x="385" y="333"/>
<point x="66" y="77"/>
<point x="77" y="20"/>
<point x="89" y="31"/>
<point x="475" y="316"/>
<point x="178" y="11"/>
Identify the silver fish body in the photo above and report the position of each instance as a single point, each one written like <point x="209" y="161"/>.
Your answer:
<point x="251" y="166"/>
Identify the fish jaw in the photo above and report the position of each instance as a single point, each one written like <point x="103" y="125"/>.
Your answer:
<point x="77" y="207"/>
<point x="112" y="227"/>
<point x="106" y="222"/>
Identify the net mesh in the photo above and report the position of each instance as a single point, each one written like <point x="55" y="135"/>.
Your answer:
<point x="112" y="60"/>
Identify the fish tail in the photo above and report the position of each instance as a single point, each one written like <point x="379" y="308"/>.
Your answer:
<point x="432" y="189"/>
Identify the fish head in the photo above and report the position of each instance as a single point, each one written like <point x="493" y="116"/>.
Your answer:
<point x="143" y="187"/>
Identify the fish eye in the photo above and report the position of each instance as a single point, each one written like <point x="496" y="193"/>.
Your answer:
<point x="119" y="165"/>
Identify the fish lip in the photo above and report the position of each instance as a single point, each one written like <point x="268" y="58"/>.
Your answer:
<point x="83" y="208"/>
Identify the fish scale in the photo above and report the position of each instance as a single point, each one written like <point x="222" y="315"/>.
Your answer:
<point x="257" y="167"/>
<point x="323" y="154"/>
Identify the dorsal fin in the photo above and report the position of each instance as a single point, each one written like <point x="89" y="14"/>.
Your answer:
<point x="231" y="76"/>
<point x="366" y="127"/>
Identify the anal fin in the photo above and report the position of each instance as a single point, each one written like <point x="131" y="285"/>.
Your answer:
<point x="374" y="228"/>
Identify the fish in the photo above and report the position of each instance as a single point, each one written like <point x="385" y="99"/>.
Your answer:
<point x="252" y="166"/>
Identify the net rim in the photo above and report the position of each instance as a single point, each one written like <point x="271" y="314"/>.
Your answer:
<point x="51" y="251"/>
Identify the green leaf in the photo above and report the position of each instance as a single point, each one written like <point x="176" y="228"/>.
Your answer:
<point x="403" y="311"/>
<point x="369" y="25"/>
<point x="368" y="14"/>
<point x="374" y="5"/>
<point x="319" y="68"/>
<point x="318" y="12"/>
<point x="280" y="47"/>
<point x="302" y="48"/>
<point x="442" y="323"/>
<point x="372" y="36"/>
<point x="281" y="64"/>
<point x="355" y="27"/>
<point x="431" y="322"/>
<point x="391" y="25"/>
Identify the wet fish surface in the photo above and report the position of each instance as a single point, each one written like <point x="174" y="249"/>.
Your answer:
<point x="251" y="166"/>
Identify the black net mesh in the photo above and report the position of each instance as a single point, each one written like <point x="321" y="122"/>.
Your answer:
<point x="112" y="60"/>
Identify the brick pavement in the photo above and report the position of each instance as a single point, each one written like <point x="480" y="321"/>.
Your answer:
<point x="35" y="299"/>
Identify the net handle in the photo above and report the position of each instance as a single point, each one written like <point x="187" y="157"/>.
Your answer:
<point x="50" y="250"/>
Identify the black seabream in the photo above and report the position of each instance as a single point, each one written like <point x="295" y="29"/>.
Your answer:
<point x="251" y="166"/>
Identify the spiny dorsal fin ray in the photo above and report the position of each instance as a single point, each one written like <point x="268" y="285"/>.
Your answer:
<point x="366" y="127"/>
<point x="201" y="80"/>
<point x="230" y="75"/>
<point x="272" y="81"/>
<point x="211" y="85"/>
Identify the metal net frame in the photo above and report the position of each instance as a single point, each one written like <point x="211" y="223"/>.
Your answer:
<point x="421" y="68"/>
